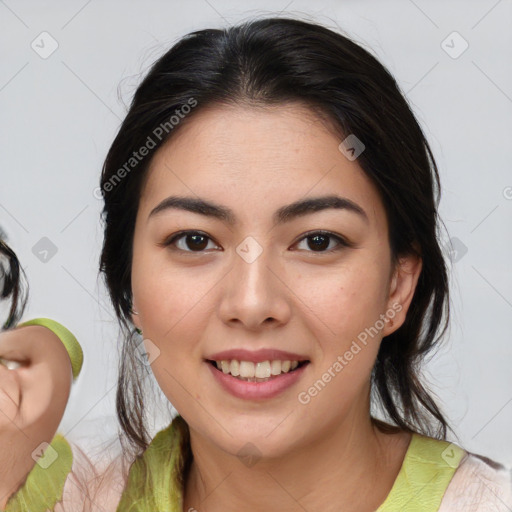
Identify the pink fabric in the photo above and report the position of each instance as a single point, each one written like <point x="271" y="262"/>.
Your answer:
<point x="479" y="485"/>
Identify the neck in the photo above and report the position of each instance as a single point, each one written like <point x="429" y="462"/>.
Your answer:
<point x="351" y="467"/>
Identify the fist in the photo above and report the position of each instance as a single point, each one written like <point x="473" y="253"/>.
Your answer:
<point x="35" y="382"/>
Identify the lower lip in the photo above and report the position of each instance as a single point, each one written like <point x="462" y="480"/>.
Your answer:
<point x="257" y="390"/>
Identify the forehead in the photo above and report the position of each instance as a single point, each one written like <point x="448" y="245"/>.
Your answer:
<point x="256" y="159"/>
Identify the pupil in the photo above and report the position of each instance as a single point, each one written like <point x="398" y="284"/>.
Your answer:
<point x="320" y="242"/>
<point x="198" y="242"/>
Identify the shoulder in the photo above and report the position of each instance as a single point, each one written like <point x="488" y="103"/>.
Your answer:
<point x="479" y="485"/>
<point x="439" y="476"/>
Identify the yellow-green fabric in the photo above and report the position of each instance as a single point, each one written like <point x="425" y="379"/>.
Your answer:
<point x="426" y="471"/>
<point x="155" y="481"/>
<point x="44" y="485"/>
<point x="68" y="340"/>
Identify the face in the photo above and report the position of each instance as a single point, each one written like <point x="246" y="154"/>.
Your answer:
<point x="288" y="261"/>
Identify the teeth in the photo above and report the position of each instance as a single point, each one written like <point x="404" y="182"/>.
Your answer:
<point x="247" y="370"/>
<point x="235" y="368"/>
<point x="275" y="367"/>
<point x="262" y="370"/>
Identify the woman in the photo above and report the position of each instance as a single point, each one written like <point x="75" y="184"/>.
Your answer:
<point x="271" y="238"/>
<point x="270" y="206"/>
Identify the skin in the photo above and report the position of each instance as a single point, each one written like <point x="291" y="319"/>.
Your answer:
<point x="33" y="399"/>
<point x="323" y="455"/>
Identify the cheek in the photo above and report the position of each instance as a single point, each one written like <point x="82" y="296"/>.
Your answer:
<point x="345" y="301"/>
<point x="162" y="292"/>
<point x="172" y="302"/>
<point x="174" y="308"/>
<point x="346" y="310"/>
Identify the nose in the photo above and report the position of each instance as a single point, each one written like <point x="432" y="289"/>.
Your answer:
<point x="254" y="294"/>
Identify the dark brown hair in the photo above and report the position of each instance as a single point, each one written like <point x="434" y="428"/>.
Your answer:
<point x="13" y="285"/>
<point x="274" y="61"/>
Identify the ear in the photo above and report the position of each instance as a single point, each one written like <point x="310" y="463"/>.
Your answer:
<point x="401" y="291"/>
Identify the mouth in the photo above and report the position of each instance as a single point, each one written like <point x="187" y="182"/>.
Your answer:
<point x="250" y="371"/>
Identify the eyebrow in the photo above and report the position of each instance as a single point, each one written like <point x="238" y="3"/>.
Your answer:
<point x="284" y="214"/>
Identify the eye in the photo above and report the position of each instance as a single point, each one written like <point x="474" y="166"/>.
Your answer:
<point x="197" y="241"/>
<point x="189" y="241"/>
<point x="320" y="241"/>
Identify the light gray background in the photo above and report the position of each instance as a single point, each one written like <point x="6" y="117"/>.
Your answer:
<point x="59" y="115"/>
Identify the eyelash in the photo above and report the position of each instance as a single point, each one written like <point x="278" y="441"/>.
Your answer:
<point x="342" y="243"/>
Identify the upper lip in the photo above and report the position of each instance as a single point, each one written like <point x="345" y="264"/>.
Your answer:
<point x="256" y="356"/>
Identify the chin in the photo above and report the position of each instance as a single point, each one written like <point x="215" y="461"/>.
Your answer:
<point x="253" y="439"/>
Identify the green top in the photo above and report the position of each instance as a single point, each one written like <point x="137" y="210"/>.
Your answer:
<point x="427" y="469"/>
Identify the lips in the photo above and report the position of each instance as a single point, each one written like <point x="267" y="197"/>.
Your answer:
<point x="256" y="375"/>
<point x="256" y="356"/>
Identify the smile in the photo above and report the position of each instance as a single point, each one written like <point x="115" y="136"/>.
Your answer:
<point x="256" y="381"/>
<point x="256" y="372"/>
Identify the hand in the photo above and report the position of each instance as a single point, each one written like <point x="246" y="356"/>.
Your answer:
<point x="33" y="398"/>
